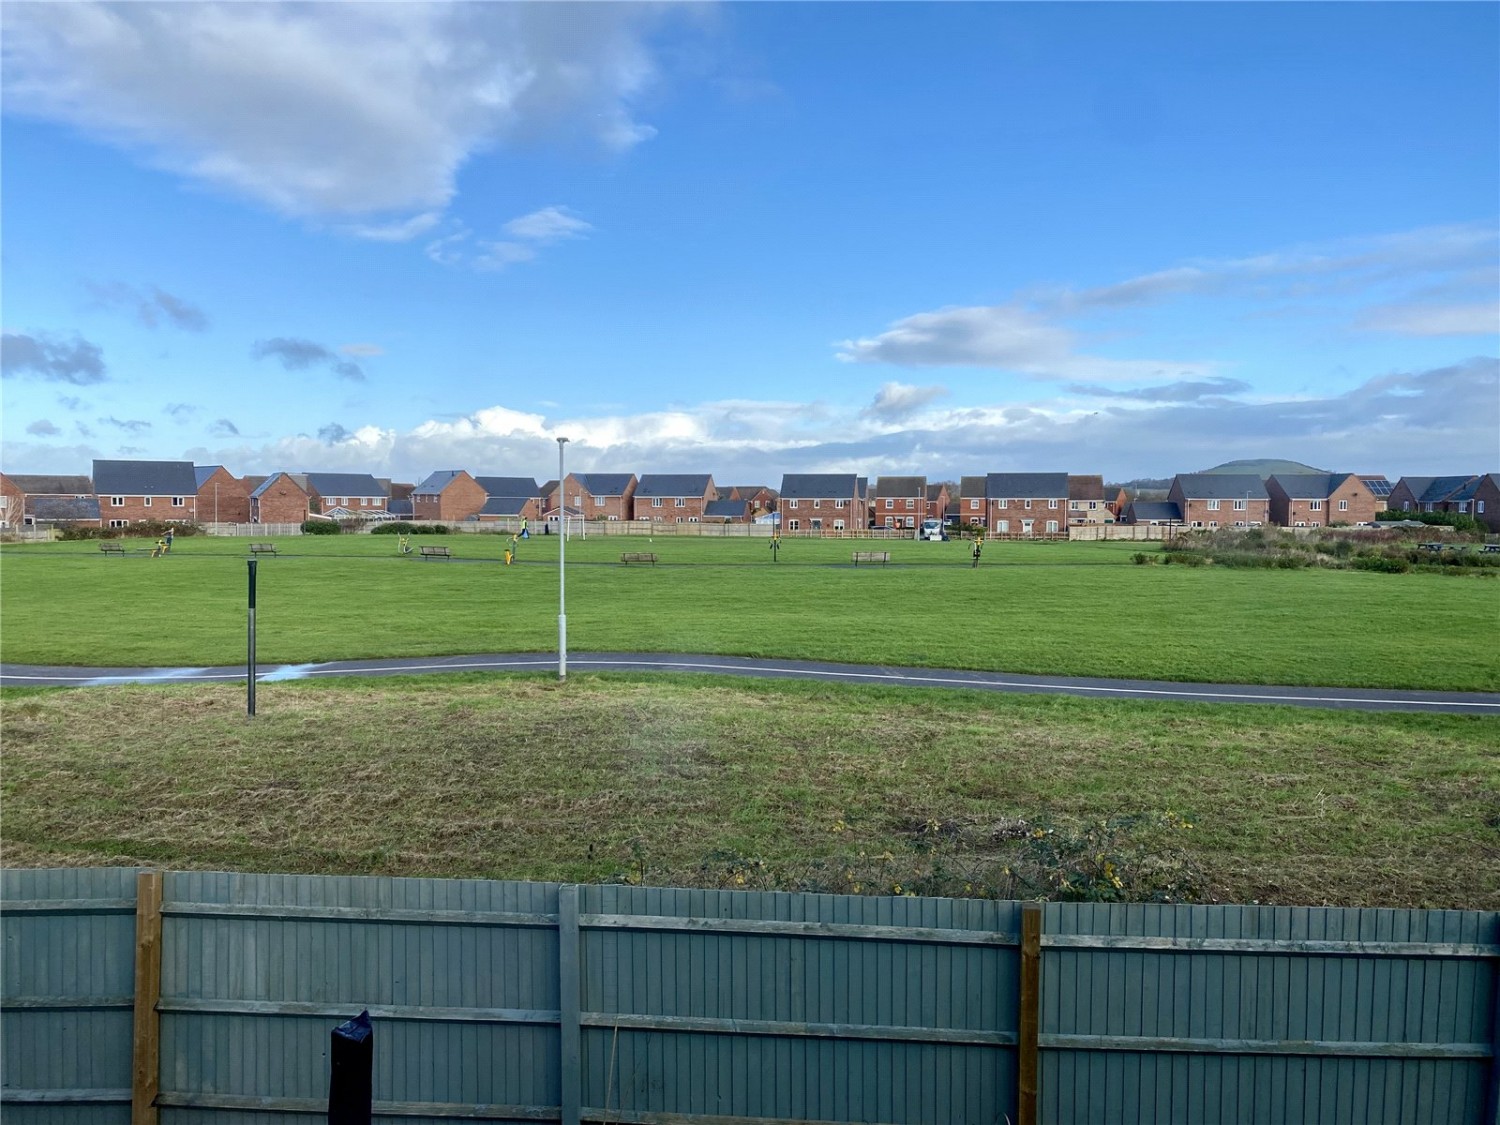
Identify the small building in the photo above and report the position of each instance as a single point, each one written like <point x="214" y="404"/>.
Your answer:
<point x="899" y="501"/>
<point x="821" y="503"/>
<point x="63" y="511"/>
<point x="1087" y="503"/>
<point x="347" y="495"/>
<point x="1320" y="499"/>
<point x="1026" y="504"/>
<point x="729" y="511"/>
<point x="130" y="491"/>
<point x="222" y="497"/>
<point x="19" y="490"/>
<point x="281" y="498"/>
<point x="971" y="502"/>
<point x="673" y="497"/>
<point x="1213" y="500"/>
<point x="938" y="499"/>
<point x="761" y="497"/>
<point x="1152" y="513"/>
<point x="1425" y="494"/>
<point x="594" y="496"/>
<point x="509" y="498"/>
<point x="448" y="495"/>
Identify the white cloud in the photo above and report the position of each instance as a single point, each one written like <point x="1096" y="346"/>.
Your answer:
<point x="1007" y="337"/>
<point x="550" y="224"/>
<point x="332" y="109"/>
<point x="395" y="231"/>
<point x="1479" y="319"/>
<point x="896" y="402"/>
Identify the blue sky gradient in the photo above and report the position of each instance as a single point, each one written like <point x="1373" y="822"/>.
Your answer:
<point x="749" y="239"/>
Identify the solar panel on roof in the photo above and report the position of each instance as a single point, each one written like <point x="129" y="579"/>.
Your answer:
<point x="1379" y="487"/>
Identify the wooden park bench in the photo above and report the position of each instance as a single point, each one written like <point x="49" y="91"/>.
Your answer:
<point x="881" y="557"/>
<point x="435" y="552"/>
<point x="638" y="557"/>
<point x="112" y="547"/>
<point x="262" y="548"/>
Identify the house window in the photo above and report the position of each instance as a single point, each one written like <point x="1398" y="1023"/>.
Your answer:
<point x="1213" y="505"/>
<point x="838" y="525"/>
<point x="1239" y="505"/>
<point x="614" y="517"/>
<point x="1005" y="503"/>
<point x="817" y="525"/>
<point x="1005" y="527"/>
<point x="1051" y="527"/>
<point x="1028" y="505"/>
<point x="792" y="525"/>
<point x="1213" y="524"/>
<point x="911" y="521"/>
<point x="890" y="521"/>
<point x="1051" y="503"/>
<point x="817" y="504"/>
<point x="1197" y="523"/>
<point x="116" y="502"/>
<point x="681" y="502"/>
<point x="1315" y="505"/>
<point x="1026" y="526"/>
<point x="793" y="503"/>
<point x="146" y="501"/>
<point x="656" y="501"/>
<point x="692" y="519"/>
<point x="1343" y="505"/>
<point x="973" y="505"/>
<point x="1093" y="504"/>
<point x="598" y="501"/>
<point x="841" y="503"/>
<point x="119" y="523"/>
<point x="910" y="504"/>
<point x="177" y="501"/>
<point x="889" y="503"/>
<point x="1077" y="505"/>
<point x="1479" y="507"/>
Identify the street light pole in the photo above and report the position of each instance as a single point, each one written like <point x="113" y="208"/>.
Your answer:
<point x="562" y="554"/>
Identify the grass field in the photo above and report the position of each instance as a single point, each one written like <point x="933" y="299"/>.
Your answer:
<point x="1067" y="608"/>
<point x="702" y="782"/>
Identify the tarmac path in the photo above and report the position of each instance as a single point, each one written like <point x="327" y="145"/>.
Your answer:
<point x="1338" y="698"/>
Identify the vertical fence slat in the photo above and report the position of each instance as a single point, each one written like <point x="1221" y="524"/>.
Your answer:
<point x="1030" y="1014"/>
<point x="146" y="1067"/>
<point x="570" y="1062"/>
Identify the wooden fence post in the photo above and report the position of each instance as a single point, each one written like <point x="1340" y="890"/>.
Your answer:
<point x="570" y="1069"/>
<point x="146" y="1066"/>
<point x="1031" y="1013"/>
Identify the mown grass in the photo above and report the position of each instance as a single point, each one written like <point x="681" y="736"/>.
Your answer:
<point x="1065" y="608"/>
<point x="703" y="782"/>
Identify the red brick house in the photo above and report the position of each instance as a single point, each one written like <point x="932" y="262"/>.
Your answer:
<point x="899" y="501"/>
<point x="1485" y="503"/>
<point x="448" y="495"/>
<point x="1026" y="504"/>
<point x="346" y="495"/>
<point x="129" y="491"/>
<point x="509" y="498"/>
<point x="938" y="499"/>
<point x="761" y="497"/>
<point x="1213" y="500"/>
<point x="19" y="490"/>
<point x="821" y="503"/>
<point x="971" y="505"/>
<point x="281" y="498"/>
<point x="594" y="496"/>
<point x="1087" y="503"/>
<point x="1320" y="499"/>
<point x="222" y="497"/>
<point x="725" y="510"/>
<point x="673" y="497"/>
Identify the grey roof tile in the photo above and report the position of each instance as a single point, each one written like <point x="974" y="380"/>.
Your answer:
<point x="1020" y="486"/>
<point x="673" y="484"/>
<point x="145" y="478"/>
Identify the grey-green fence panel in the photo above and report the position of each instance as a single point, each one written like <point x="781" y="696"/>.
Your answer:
<point x="68" y="982"/>
<point x="1352" y="1016"/>
<point x="798" y="1007"/>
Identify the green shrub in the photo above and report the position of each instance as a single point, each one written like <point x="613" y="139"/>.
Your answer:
<point x="320" y="527"/>
<point x="1140" y="558"/>
<point x="1382" y="564"/>
<point x="144" y="529"/>
<point x="402" y="527"/>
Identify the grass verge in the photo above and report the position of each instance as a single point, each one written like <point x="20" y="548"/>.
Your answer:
<point x="702" y="782"/>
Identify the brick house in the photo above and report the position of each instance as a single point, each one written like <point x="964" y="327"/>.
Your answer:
<point x="761" y="497"/>
<point x="971" y="506"/>
<point x="19" y="490"/>
<point x="673" y="497"/>
<point x="513" y="498"/>
<point x="1379" y="487"/>
<point x="1213" y="500"/>
<point x="1424" y="494"/>
<point x="594" y="496"/>
<point x="82" y="511"/>
<point x="1153" y="513"/>
<point x="1087" y="503"/>
<point x="448" y="495"/>
<point x="818" y="503"/>
<point x="938" y="499"/>
<point x="346" y="495"/>
<point x="1485" y="504"/>
<point x="281" y="498"/>
<point x="146" y="490"/>
<point x="1026" y="504"/>
<point x="899" y="501"/>
<point x="222" y="497"/>
<point x="727" y="510"/>
<point x="1320" y="499"/>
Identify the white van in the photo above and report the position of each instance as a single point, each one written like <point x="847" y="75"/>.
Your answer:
<point x="932" y="531"/>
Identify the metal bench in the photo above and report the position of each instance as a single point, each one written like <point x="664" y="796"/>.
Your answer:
<point x="638" y="557"/>
<point x="262" y="548"/>
<point x="112" y="547"/>
<point x="435" y="552"/>
<point x="881" y="557"/>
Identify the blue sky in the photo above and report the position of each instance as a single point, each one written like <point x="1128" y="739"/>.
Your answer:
<point x="749" y="239"/>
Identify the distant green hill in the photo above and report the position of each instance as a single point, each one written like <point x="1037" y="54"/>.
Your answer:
<point x="1264" y="467"/>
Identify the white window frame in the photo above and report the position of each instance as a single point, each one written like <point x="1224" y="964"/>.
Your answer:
<point x="1052" y="503"/>
<point x="1315" y="505"/>
<point x="793" y="503"/>
<point x="1051" y="527"/>
<point x="1213" y="505"/>
<point x="889" y="503"/>
<point x="973" y="505"/>
<point x="145" y="501"/>
<point x="1026" y="526"/>
<point x="793" y="525"/>
<point x="1005" y="527"/>
<point x="679" y="502"/>
<point x="910" y="503"/>
<point x="817" y="503"/>
<point x="656" y="501"/>
<point x="817" y="525"/>
<point x="1241" y="505"/>
<point x="1343" y="505"/>
<point x="841" y="503"/>
<point x="116" y="502"/>
<point x="178" y="502"/>
<point x="119" y="523"/>
<point x="838" y="525"/>
<point x="1213" y="524"/>
<point x="1027" y="505"/>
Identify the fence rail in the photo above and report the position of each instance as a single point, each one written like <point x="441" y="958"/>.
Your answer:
<point x="132" y="994"/>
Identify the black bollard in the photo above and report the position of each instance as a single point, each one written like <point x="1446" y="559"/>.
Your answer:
<point x="350" y="1073"/>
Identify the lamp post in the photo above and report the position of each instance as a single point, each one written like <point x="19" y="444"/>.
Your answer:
<point x="562" y="554"/>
